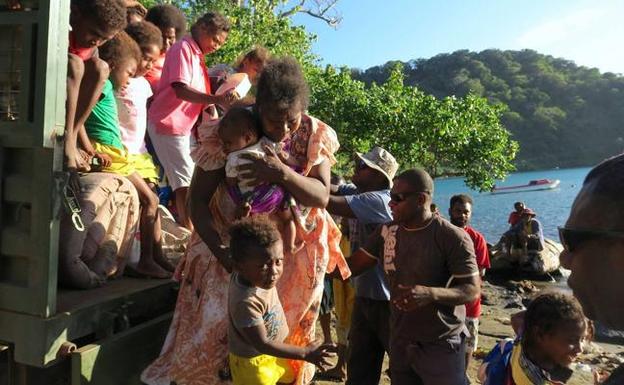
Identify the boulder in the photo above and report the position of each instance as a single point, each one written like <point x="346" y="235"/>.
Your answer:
<point x="519" y="260"/>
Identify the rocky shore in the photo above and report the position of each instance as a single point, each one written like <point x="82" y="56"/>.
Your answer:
<point x="504" y="297"/>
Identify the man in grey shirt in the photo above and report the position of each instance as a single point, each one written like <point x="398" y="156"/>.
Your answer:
<point x="365" y="203"/>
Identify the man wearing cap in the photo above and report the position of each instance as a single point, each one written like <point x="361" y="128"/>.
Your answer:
<point x="526" y="233"/>
<point x="431" y="268"/>
<point x="365" y="203"/>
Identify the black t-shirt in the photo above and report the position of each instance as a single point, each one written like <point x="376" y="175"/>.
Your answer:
<point x="430" y="256"/>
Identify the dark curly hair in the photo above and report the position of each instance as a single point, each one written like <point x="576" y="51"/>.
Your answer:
<point x="120" y="49"/>
<point x="240" y="120"/>
<point x="258" y="54"/>
<point x="167" y="16"/>
<point x="213" y="22"/>
<point x="145" y="34"/>
<point x="257" y="231"/>
<point x="460" y="198"/>
<point x="549" y="311"/>
<point x="110" y="15"/>
<point x="282" y="85"/>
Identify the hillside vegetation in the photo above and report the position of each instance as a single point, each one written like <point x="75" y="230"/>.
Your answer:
<point x="562" y="114"/>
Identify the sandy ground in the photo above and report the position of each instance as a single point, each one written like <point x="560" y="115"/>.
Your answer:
<point x="504" y="299"/>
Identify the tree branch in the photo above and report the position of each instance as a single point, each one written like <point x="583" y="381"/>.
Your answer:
<point x="320" y="11"/>
<point x="293" y="10"/>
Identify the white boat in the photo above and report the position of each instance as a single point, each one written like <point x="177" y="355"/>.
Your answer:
<point x="534" y="185"/>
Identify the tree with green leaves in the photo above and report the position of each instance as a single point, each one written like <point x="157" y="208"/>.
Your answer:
<point x="444" y="136"/>
<point x="562" y="114"/>
<point x="449" y="135"/>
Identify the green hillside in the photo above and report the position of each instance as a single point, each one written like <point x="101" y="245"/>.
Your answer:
<point x="563" y="115"/>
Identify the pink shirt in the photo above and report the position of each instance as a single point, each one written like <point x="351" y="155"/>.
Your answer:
<point x="132" y="111"/>
<point x="184" y="64"/>
<point x="153" y="75"/>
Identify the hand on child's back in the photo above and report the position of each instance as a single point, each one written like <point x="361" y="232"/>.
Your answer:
<point x="320" y="354"/>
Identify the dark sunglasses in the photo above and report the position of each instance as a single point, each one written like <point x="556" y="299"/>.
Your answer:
<point x="571" y="238"/>
<point x="400" y="197"/>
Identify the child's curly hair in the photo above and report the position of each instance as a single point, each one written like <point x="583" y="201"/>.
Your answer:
<point x="258" y="54"/>
<point x="257" y="231"/>
<point x="213" y="22"/>
<point x="120" y="49"/>
<point x="282" y="85"/>
<point x="550" y="311"/>
<point x="240" y="120"/>
<point x="167" y="16"/>
<point x="110" y="15"/>
<point x="145" y="34"/>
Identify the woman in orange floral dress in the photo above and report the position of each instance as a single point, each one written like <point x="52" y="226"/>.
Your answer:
<point x="196" y="347"/>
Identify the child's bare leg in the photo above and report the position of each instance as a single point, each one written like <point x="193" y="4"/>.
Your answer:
<point x="181" y="206"/>
<point x="96" y="72"/>
<point x="150" y="229"/>
<point x="75" y="73"/>
<point x="289" y="230"/>
<point x="326" y="327"/>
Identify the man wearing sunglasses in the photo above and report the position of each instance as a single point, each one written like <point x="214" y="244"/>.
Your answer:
<point x="593" y="241"/>
<point x="432" y="271"/>
<point x="365" y="203"/>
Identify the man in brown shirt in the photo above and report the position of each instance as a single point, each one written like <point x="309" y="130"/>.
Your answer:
<point x="432" y="272"/>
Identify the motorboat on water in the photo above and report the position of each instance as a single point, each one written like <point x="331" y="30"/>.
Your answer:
<point x="534" y="185"/>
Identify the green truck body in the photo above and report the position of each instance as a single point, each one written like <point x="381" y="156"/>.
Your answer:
<point x="50" y="335"/>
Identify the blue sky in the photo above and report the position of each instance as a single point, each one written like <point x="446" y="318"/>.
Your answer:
<point x="591" y="33"/>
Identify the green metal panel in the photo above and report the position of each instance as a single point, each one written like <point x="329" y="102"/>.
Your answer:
<point x="33" y="52"/>
<point x="120" y="359"/>
<point x="83" y="313"/>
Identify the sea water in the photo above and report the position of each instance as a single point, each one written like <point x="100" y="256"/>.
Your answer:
<point x="491" y="211"/>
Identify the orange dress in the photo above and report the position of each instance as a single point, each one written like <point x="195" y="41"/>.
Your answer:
<point x="196" y="346"/>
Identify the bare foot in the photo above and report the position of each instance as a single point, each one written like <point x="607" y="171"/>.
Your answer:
<point x="83" y="165"/>
<point x="152" y="270"/>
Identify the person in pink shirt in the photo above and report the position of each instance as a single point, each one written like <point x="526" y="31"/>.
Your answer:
<point x="183" y="93"/>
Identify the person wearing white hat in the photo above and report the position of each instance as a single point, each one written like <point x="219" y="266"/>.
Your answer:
<point x="365" y="204"/>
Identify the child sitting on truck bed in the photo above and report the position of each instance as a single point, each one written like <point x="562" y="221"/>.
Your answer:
<point x="92" y="23"/>
<point x="101" y="136"/>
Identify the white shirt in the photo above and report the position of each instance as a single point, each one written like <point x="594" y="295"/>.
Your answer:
<point x="132" y="111"/>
